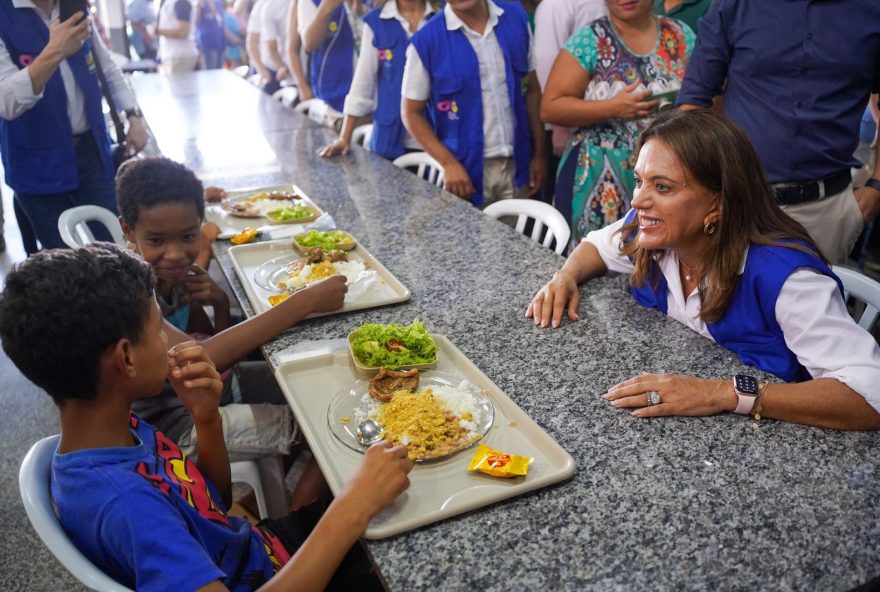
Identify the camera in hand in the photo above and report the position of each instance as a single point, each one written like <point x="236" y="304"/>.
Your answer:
<point x="68" y="8"/>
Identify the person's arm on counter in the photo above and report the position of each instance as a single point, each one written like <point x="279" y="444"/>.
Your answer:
<point x="229" y="346"/>
<point x="20" y="89"/>
<point x="598" y="253"/>
<point x="361" y="98"/>
<point x="842" y="358"/>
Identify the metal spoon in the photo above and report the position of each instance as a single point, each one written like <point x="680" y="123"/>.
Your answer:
<point x="369" y="432"/>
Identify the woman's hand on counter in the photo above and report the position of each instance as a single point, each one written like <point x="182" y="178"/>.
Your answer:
<point x="558" y="295"/>
<point x="679" y="395"/>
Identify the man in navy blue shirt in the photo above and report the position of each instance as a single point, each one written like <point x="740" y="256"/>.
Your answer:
<point x="796" y="75"/>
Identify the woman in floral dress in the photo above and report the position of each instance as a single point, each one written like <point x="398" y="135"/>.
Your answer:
<point x="605" y="83"/>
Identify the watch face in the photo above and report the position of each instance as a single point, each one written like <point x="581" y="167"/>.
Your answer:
<point x="746" y="385"/>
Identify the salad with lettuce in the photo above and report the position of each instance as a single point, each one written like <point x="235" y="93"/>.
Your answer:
<point x="287" y="213"/>
<point x="393" y="346"/>
<point x="326" y="240"/>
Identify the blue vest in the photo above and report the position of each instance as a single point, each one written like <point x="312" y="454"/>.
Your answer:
<point x="749" y="327"/>
<point x="330" y="67"/>
<point x="37" y="146"/>
<point x="389" y="41"/>
<point x="456" y="102"/>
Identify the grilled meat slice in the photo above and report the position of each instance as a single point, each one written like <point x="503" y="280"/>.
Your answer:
<point x="387" y="382"/>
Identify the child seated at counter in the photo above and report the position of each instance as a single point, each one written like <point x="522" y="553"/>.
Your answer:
<point x="136" y="505"/>
<point x="162" y="207"/>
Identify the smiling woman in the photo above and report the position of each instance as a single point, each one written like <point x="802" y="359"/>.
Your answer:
<point x="706" y="244"/>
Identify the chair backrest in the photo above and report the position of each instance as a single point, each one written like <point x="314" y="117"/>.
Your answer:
<point x="74" y="230"/>
<point x="862" y="288"/>
<point x="286" y="95"/>
<point x="241" y="70"/>
<point x="361" y="135"/>
<point x="33" y="480"/>
<point x="543" y="214"/>
<point x="424" y="164"/>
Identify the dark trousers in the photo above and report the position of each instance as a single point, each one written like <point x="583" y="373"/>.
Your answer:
<point x="549" y="188"/>
<point x="43" y="210"/>
<point x="273" y="84"/>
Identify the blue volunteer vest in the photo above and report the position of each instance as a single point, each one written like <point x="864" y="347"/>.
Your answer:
<point x="749" y="327"/>
<point x="389" y="41"/>
<point x="456" y="102"/>
<point x="37" y="146"/>
<point x="331" y="66"/>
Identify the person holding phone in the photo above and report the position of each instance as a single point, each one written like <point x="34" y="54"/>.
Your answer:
<point x="606" y="83"/>
<point x="53" y="137"/>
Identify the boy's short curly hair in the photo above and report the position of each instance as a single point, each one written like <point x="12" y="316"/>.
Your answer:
<point x="149" y="182"/>
<point x="61" y="309"/>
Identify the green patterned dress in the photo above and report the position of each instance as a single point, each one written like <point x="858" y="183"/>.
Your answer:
<point x="595" y="180"/>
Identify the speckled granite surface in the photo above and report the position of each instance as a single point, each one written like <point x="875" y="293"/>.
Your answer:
<point x="667" y="504"/>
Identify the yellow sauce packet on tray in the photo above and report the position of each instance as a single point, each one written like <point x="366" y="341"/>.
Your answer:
<point x="245" y="236"/>
<point x="498" y="464"/>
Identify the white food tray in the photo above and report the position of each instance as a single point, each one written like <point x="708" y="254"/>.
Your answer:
<point x="231" y="225"/>
<point x="247" y="258"/>
<point x="438" y="489"/>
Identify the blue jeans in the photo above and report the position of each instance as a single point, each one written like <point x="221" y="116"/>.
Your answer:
<point x="94" y="188"/>
<point x="213" y="58"/>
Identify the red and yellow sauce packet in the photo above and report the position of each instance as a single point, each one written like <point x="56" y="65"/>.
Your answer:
<point x="245" y="236"/>
<point x="278" y="298"/>
<point x="498" y="464"/>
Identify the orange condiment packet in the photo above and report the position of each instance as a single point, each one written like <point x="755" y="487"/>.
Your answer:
<point x="277" y="298"/>
<point x="498" y="464"/>
<point x="245" y="236"/>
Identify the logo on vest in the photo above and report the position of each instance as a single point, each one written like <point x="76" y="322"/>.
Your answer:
<point x="90" y="62"/>
<point x="450" y="108"/>
<point x="25" y="60"/>
<point x="385" y="55"/>
<point x="333" y="26"/>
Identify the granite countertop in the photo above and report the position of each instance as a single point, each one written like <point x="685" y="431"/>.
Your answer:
<point x="669" y="504"/>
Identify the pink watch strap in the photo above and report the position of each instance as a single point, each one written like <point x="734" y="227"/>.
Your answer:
<point x="745" y="405"/>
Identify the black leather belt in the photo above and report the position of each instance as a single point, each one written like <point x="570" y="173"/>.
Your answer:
<point x="789" y="194"/>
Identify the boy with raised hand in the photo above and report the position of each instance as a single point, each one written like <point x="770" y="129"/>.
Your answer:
<point x="473" y="66"/>
<point x="162" y="208"/>
<point x="127" y="496"/>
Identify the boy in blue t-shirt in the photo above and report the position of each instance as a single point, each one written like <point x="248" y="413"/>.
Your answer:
<point x="129" y="499"/>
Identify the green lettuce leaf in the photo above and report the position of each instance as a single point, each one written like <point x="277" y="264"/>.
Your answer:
<point x="369" y="340"/>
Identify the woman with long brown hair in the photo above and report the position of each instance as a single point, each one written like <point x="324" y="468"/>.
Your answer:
<point x="706" y="244"/>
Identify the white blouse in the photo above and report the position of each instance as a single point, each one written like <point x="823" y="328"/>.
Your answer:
<point x="361" y="98"/>
<point x="815" y="323"/>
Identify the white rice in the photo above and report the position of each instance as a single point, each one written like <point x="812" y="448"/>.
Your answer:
<point x="350" y="269"/>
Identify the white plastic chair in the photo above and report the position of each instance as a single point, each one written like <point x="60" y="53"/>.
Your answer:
<point x="286" y="95"/>
<point x="305" y="106"/>
<point x="862" y="288"/>
<point x="361" y="135"/>
<point x="33" y="481"/>
<point x="75" y="232"/>
<point x="264" y="475"/>
<point x="241" y="71"/>
<point x="255" y="79"/>
<point x="426" y="167"/>
<point x="542" y="213"/>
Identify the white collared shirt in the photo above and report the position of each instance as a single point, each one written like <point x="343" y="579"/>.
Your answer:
<point x="17" y="94"/>
<point x="815" y="323"/>
<point x="498" y="119"/>
<point x="171" y="48"/>
<point x="273" y="27"/>
<point x="361" y="98"/>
